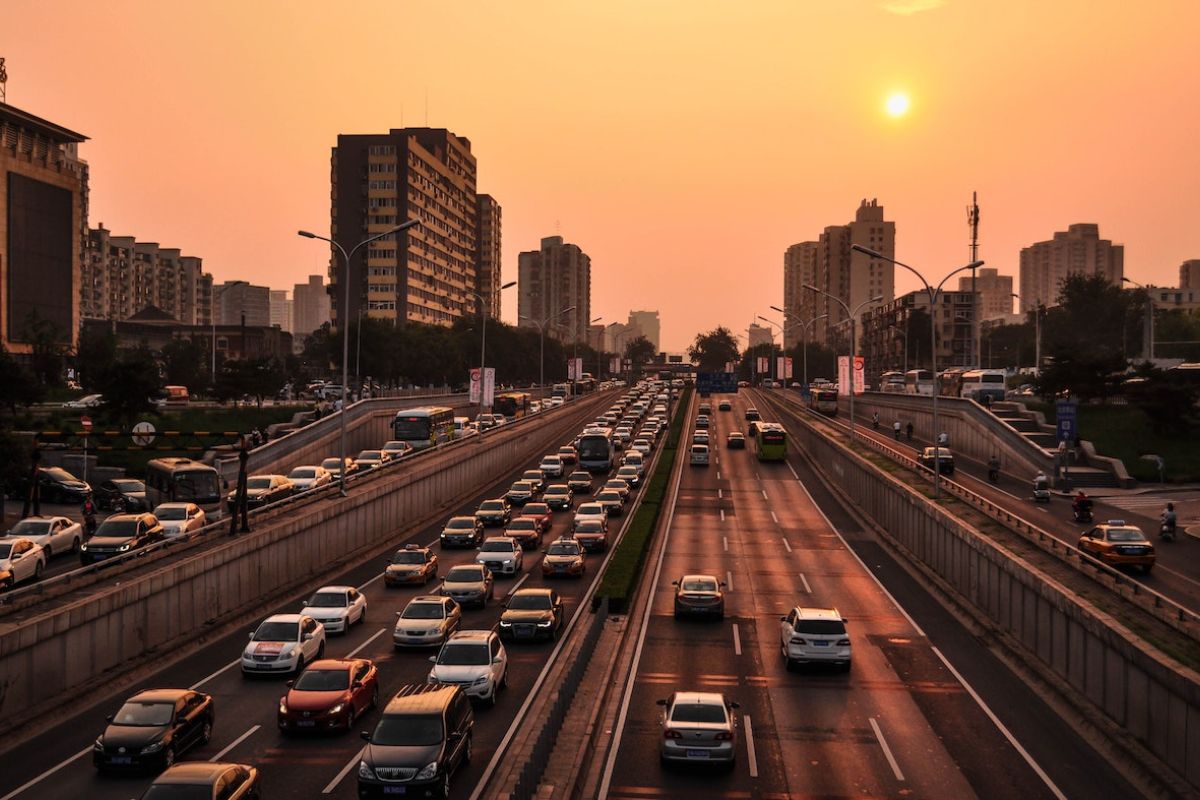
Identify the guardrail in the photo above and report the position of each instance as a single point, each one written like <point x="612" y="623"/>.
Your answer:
<point x="1157" y="604"/>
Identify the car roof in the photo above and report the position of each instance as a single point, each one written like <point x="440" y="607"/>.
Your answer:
<point x="700" y="698"/>
<point x="195" y="772"/>
<point x="42" y="518"/>
<point x="499" y="538"/>
<point x="466" y="517"/>
<point x="285" y="618"/>
<point x="818" y="613"/>
<point x="177" y="505"/>
<point x="334" y="588"/>
<point x="712" y="578"/>
<point x="470" y="636"/>
<point x="532" y="591"/>
<point x="421" y="698"/>
<point x="334" y="663"/>
<point x="428" y="598"/>
<point x="159" y="695"/>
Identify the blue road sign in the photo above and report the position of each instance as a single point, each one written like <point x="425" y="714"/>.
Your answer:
<point x="712" y="382"/>
<point x="1066" y="414"/>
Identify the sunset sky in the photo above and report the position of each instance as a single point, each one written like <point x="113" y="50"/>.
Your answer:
<point x="683" y="145"/>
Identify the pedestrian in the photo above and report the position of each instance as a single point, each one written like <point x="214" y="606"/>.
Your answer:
<point x="896" y="429"/>
<point x="909" y="430"/>
<point x="875" y="420"/>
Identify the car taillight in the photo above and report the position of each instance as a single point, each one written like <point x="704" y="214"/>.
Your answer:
<point x="797" y="640"/>
<point x="669" y="734"/>
<point x="723" y="736"/>
<point x="843" y="642"/>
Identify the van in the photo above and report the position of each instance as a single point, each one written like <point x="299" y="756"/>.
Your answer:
<point x="462" y="427"/>
<point x="422" y="738"/>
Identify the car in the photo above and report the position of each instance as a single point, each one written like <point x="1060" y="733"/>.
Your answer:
<point x="422" y="738"/>
<point x="525" y="531"/>
<point x="551" y="466"/>
<point x="283" y="643"/>
<point x="559" y="496"/>
<point x="396" y="449"/>
<point x="752" y="414"/>
<point x="743" y="384"/>
<point x="1118" y="544"/>
<point x="120" y="534"/>
<point x="309" y="477"/>
<point x="462" y="532"/>
<point x="620" y="485"/>
<point x="705" y="409"/>
<point x="643" y="446"/>
<point x="590" y="509"/>
<point x="468" y="583"/>
<point x="591" y="534"/>
<point x="55" y="535"/>
<point x="87" y="401"/>
<point x="535" y="406"/>
<point x="541" y="512"/>
<point x="724" y="405"/>
<point x="337" y="607"/>
<point x="631" y="475"/>
<point x="475" y="661"/>
<point x="699" y="455"/>
<point x="700" y="437"/>
<point x="330" y="694"/>
<point x="735" y="440"/>
<point x="488" y="421"/>
<point x="555" y="402"/>
<point x="568" y="454"/>
<point x="520" y="493"/>
<point x="808" y="635"/>
<point x="411" y="564"/>
<point x="535" y="477"/>
<point x="334" y="467"/>
<point x="263" y="490"/>
<point x="563" y="559"/>
<point x="699" y="595"/>
<point x="494" y="513"/>
<point x="532" y="614"/>
<point x="206" y="779"/>
<point x="153" y="728"/>
<point x="635" y="458"/>
<point x="426" y="620"/>
<point x="502" y="555"/>
<point x="939" y="455"/>
<point x="612" y="501"/>
<point x="698" y="727"/>
<point x="56" y="485"/>
<point x="370" y="459"/>
<point x="624" y="433"/>
<point x="121" y="492"/>
<point x="21" y="559"/>
<point x="580" y="482"/>
<point x="180" y="519"/>
<point x="701" y="422"/>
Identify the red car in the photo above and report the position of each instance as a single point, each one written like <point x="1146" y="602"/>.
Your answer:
<point x="568" y="454"/>
<point x="541" y="512"/>
<point x="329" y="695"/>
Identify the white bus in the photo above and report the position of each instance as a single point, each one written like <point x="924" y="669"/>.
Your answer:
<point x="182" y="480"/>
<point x="595" y="449"/>
<point x="424" y="427"/>
<point x="918" y="381"/>
<point x="978" y="384"/>
<point x="892" y="382"/>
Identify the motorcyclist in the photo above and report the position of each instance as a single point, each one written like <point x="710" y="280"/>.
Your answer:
<point x="1082" y="505"/>
<point x="875" y="420"/>
<point x="1169" y="519"/>
<point x="896" y="429"/>
<point x="89" y="516"/>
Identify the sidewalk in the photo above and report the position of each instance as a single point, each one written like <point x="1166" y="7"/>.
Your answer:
<point x="1108" y="491"/>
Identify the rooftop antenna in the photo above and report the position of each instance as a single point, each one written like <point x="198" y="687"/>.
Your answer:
<point x="973" y="224"/>
<point x="3" y="82"/>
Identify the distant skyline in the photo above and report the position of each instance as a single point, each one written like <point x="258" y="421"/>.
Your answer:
<point x="684" y="146"/>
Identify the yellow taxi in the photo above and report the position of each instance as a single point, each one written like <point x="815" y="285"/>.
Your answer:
<point x="411" y="564"/>
<point x="1118" y="544"/>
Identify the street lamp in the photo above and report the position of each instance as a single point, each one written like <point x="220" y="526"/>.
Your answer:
<point x="933" y="298"/>
<point x="782" y="337"/>
<point x="483" y="335"/>
<point x="213" y="314"/>
<point x="1149" y="312"/>
<point x="347" y="258"/>
<point x="804" y="338"/>
<point x="541" y="326"/>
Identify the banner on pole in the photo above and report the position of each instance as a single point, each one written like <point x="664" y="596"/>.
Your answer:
<point x="489" y="386"/>
<point x="614" y="365"/>
<point x="763" y="364"/>
<point x="473" y="394"/>
<point x="787" y="367"/>
<point x="844" y="374"/>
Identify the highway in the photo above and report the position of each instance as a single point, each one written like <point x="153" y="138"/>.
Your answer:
<point x="57" y="764"/>
<point x="926" y="710"/>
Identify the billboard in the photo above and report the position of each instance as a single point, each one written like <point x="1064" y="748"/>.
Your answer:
<point x="844" y="374"/>
<point x="487" y="389"/>
<point x="710" y="382"/>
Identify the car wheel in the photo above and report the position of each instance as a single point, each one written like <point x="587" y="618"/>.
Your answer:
<point x="846" y="667"/>
<point x="321" y="650"/>
<point x="504" y="678"/>
<point x="300" y="664"/>
<point x="466" y="758"/>
<point x="6" y="584"/>
<point x="37" y="571"/>
<point x="491" y="701"/>
<point x="446" y="785"/>
<point x="375" y="697"/>
<point x="346" y="625"/>
<point x="75" y="545"/>
<point x="49" y="552"/>
<point x="169" y="757"/>
<point x="206" y="732"/>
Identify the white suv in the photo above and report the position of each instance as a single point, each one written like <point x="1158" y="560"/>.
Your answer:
<point x="284" y="643"/>
<point x="500" y="554"/>
<point x="473" y="660"/>
<point x="812" y="635"/>
<point x="699" y="457"/>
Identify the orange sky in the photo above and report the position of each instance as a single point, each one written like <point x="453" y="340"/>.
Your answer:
<point x="683" y="145"/>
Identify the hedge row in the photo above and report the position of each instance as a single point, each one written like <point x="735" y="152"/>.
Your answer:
<point x="621" y="577"/>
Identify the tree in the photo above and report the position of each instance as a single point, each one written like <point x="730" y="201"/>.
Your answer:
<point x="713" y="350"/>
<point x="96" y="352"/>
<point x="1169" y="405"/>
<point x="183" y="363"/>
<point x="639" y="352"/>
<point x="48" y="349"/>
<point x="17" y="385"/>
<point x="130" y="385"/>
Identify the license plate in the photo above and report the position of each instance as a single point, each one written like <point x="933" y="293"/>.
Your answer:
<point x="121" y="760"/>
<point x="820" y="644"/>
<point x="697" y="754"/>
<point x="305" y="723"/>
<point x="395" y="790"/>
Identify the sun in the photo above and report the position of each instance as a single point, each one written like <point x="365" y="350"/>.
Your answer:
<point x="897" y="104"/>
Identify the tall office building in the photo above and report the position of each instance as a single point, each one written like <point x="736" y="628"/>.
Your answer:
<point x="759" y="335"/>
<point x="487" y="253"/>
<point x="239" y="303"/>
<point x="799" y="268"/>
<point x="995" y="292"/>
<point x="423" y="274"/>
<point x="1078" y="250"/>
<point x="310" y="307"/>
<point x="556" y="277"/>
<point x="617" y="337"/>
<point x="1189" y="274"/>
<point x="648" y="325"/>
<point x="121" y="276"/>
<point x="281" y="310"/>
<point x="43" y="227"/>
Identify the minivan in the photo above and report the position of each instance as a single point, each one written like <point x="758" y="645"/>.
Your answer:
<point x="421" y="739"/>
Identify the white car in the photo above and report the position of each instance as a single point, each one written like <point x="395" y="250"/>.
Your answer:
<point x="809" y="635"/>
<point x="426" y="620"/>
<point x="642" y="446"/>
<point x="699" y="457"/>
<point x="283" y="643"/>
<point x="473" y="660"/>
<point x="21" y="559"/>
<point x="700" y="437"/>
<point x="337" y="607"/>
<point x="397" y="449"/>
<point x="87" y="401"/>
<point x="635" y="458"/>
<point x="555" y="402"/>
<point x="179" y="519"/>
<point x="501" y="554"/>
<point x="630" y="474"/>
<point x="535" y="406"/>
<point x="309" y="477"/>
<point x="551" y="466"/>
<point x="55" y="534"/>
<point x="596" y="510"/>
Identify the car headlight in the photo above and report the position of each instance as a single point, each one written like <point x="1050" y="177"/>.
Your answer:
<point x="431" y="678"/>
<point x="482" y="681"/>
<point x="124" y="547"/>
<point x="546" y="624"/>
<point x="504" y="624"/>
<point x="337" y="709"/>
<point x="365" y="771"/>
<point x="427" y="772"/>
<point x="98" y="745"/>
<point x="152" y="748"/>
<point x="83" y="547"/>
<point x="283" y="705"/>
<point x="508" y="561"/>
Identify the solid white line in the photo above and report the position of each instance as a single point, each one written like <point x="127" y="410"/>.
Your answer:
<point x="787" y="545"/>
<point x="1043" y="510"/>
<point x="722" y="515"/>
<point x="47" y="773"/>
<point x="751" y="759"/>
<point x="235" y="743"/>
<point x="725" y="539"/>
<point x="804" y="580"/>
<point x="203" y="681"/>
<point x="793" y="469"/>
<point x="887" y="751"/>
<point x="342" y="772"/>
<point x="737" y="641"/>
<point x="1041" y="773"/>
<point x="729" y="580"/>
<point x="359" y="649"/>
<point x="775" y="518"/>
<point x="431" y="544"/>
<point x="363" y="588"/>
<point x="517" y="585"/>
<point x="764" y="491"/>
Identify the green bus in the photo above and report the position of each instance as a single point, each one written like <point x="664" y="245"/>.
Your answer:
<point x="770" y="441"/>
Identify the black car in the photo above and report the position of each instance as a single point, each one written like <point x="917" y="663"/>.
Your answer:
<point x="532" y="614"/>
<point x="130" y="492"/>
<point x="262" y="490"/>
<point x="56" y="485"/>
<point x="462" y="532"/>
<point x="558" y="496"/>
<point x="422" y="738"/>
<point x="120" y="534"/>
<point x="153" y="728"/>
<point x="494" y="513"/>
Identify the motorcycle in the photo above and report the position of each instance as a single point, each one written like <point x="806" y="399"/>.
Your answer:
<point x="1041" y="490"/>
<point x="1082" y="514"/>
<point x="1166" y="531"/>
<point x="994" y="475"/>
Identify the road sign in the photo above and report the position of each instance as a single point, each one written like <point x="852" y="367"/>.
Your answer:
<point x="143" y="434"/>
<point x="85" y="422"/>
<point x="709" y="382"/>
<point x="1067" y="417"/>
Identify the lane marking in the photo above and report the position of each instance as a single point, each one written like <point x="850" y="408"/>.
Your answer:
<point x="737" y="641"/>
<point x="720" y="494"/>
<point x="517" y="585"/>
<point x="764" y="493"/>
<point x="359" y="649"/>
<point x="729" y="580"/>
<point x="363" y="588"/>
<point x="795" y="474"/>
<point x="804" y="580"/>
<point x="725" y="539"/>
<point x="718" y="474"/>
<point x="775" y="518"/>
<point x="756" y="477"/>
<point x="751" y="759"/>
<point x="235" y="743"/>
<point x="47" y="773"/>
<point x="435" y="541"/>
<point x="203" y="681"/>
<point x="1043" y="510"/>
<point x="342" y="772"/>
<point x="887" y="751"/>
<point x="722" y="515"/>
<point x="787" y="544"/>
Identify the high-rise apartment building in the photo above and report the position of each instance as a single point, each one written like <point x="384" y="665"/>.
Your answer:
<point x="759" y="335"/>
<point x="281" y="310"/>
<point x="241" y="303"/>
<point x="883" y="337"/>
<point x="310" y="307"/>
<point x="799" y="269"/>
<point x="648" y="325"/>
<point x="43" y="227"/>
<point x="1189" y="274"/>
<point x="554" y="278"/>
<point x="487" y="253"/>
<point x="424" y="273"/>
<point x="1078" y="250"/>
<point x="121" y="276"/>
<point x="995" y="292"/>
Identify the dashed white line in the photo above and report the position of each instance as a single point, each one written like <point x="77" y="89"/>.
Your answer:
<point x="722" y="515"/>
<point x="517" y="585"/>
<point x="787" y="544"/>
<point x="751" y="759"/>
<point x="804" y="580"/>
<point x="718" y="474"/>
<point x="1043" y="510"/>
<point x="720" y="494"/>
<point x="795" y="474"/>
<point x="887" y="751"/>
<point x="378" y="575"/>
<point x="342" y="772"/>
<point x="737" y="640"/>
<point x="764" y="492"/>
<point x="235" y="743"/>
<point x="774" y="518"/>
<point x="725" y="541"/>
<point x="203" y="681"/>
<point x="729" y="580"/>
<point x="359" y="649"/>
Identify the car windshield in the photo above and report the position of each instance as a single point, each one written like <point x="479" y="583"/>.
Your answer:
<point x="587" y="526"/>
<point x="531" y="475"/>
<point x="491" y="505"/>
<point x="58" y="474"/>
<point x="562" y="549"/>
<point x="30" y="527"/>
<point x="332" y="463"/>
<point x="697" y="712"/>
<point x="523" y="524"/>
<point x="423" y="611"/>
<point x="552" y="461"/>
<point x="369" y="455"/>
<point x="520" y="486"/>
<point x="145" y="714"/>
<point x="130" y="486"/>
<point x="530" y="602"/>
<point x="820" y="627"/>
<point x="323" y="680"/>
<point x="699" y="585"/>
<point x="464" y="655"/>
<point x="258" y="483"/>
<point x="118" y="527"/>
<point x="464" y="574"/>
<point x="406" y="730"/>
<point x="627" y="471"/>
<point x="581" y="476"/>
<point x="497" y="547"/>
<point x="1125" y="535"/>
<point x="328" y="600"/>
<point x="408" y="557"/>
<point x="5" y="550"/>
<point x="303" y="472"/>
<point x="277" y="632"/>
<point x="461" y="523"/>
<point x="171" y="512"/>
<point x="609" y="495"/>
<point x="178" y="791"/>
<point x="536" y="508"/>
<point x="558" y="489"/>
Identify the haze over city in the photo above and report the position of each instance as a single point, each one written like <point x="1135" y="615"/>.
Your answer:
<point x="684" y="146"/>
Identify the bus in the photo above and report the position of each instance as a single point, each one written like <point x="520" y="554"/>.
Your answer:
<point x="511" y="404"/>
<point x="595" y="448"/>
<point x="918" y="381"/>
<point x="950" y="382"/>
<point x="770" y="442"/>
<point x="892" y="382"/>
<point x="424" y="427"/>
<point x="824" y="401"/>
<point x="981" y="384"/>
<point x="182" y="480"/>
